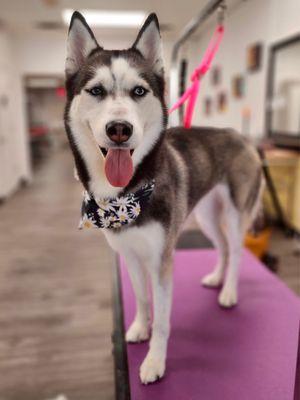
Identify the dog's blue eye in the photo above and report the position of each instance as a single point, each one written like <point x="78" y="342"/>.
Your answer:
<point x="97" y="91"/>
<point x="139" y="91"/>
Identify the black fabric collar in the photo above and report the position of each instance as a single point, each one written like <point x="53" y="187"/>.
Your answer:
<point x="114" y="212"/>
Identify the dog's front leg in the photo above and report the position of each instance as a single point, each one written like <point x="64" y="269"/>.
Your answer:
<point x="138" y="330"/>
<point x="153" y="366"/>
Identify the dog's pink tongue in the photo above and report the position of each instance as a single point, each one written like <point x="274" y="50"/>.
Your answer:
<point x="118" y="167"/>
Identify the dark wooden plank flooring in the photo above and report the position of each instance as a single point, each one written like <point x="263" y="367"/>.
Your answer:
<point x="55" y="294"/>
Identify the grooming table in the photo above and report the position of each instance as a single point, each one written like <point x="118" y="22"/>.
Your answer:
<point x="245" y="353"/>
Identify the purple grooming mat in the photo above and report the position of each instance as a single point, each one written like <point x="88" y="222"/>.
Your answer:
<point x="246" y="353"/>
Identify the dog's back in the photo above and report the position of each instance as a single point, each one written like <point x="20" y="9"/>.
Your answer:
<point x="214" y="156"/>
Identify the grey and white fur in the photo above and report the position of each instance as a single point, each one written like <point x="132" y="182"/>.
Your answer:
<point x="214" y="173"/>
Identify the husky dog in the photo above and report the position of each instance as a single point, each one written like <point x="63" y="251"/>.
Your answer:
<point x="116" y="121"/>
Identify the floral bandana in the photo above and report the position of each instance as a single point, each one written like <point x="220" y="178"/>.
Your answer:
<point x="114" y="212"/>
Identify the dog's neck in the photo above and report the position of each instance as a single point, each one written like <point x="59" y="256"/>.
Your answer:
<point x="146" y="170"/>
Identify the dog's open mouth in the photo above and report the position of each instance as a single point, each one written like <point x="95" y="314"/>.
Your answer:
<point x="105" y="151"/>
<point x="118" y="165"/>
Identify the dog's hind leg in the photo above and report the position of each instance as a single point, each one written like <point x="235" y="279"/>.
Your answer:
<point x="208" y="214"/>
<point x="235" y="235"/>
<point x="238" y="215"/>
<point x="139" y="329"/>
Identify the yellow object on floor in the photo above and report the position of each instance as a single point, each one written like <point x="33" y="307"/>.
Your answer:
<point x="258" y="244"/>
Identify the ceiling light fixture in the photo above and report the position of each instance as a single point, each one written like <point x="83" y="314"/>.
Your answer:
<point x="116" y="19"/>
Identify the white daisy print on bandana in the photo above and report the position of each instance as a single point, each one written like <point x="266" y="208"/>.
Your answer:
<point x="135" y="210"/>
<point x="87" y="222"/>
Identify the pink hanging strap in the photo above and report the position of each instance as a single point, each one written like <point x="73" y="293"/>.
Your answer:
<point x="192" y="91"/>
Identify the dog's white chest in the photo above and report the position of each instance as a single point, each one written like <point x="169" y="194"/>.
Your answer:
<point x="144" y="241"/>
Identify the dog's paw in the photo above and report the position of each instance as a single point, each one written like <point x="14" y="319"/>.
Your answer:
<point x="228" y="297"/>
<point x="152" y="369"/>
<point x="212" y="280"/>
<point x="137" y="332"/>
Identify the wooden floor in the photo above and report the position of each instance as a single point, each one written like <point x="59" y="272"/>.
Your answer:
<point x="55" y="294"/>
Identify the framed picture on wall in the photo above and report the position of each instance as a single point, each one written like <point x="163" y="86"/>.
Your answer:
<point x="282" y="117"/>
<point x="238" y="86"/>
<point x="207" y="106"/>
<point x="254" y="57"/>
<point x="215" y="75"/>
<point x="222" y="102"/>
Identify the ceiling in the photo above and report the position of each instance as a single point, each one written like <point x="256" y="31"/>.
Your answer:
<point x="32" y="14"/>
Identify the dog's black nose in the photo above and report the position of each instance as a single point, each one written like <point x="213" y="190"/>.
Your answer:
<point x="119" y="131"/>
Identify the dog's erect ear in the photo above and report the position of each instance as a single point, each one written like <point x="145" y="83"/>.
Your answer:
<point x="81" y="41"/>
<point x="148" y="43"/>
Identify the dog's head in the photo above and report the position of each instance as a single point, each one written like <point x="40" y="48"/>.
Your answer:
<point x="115" y="109"/>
